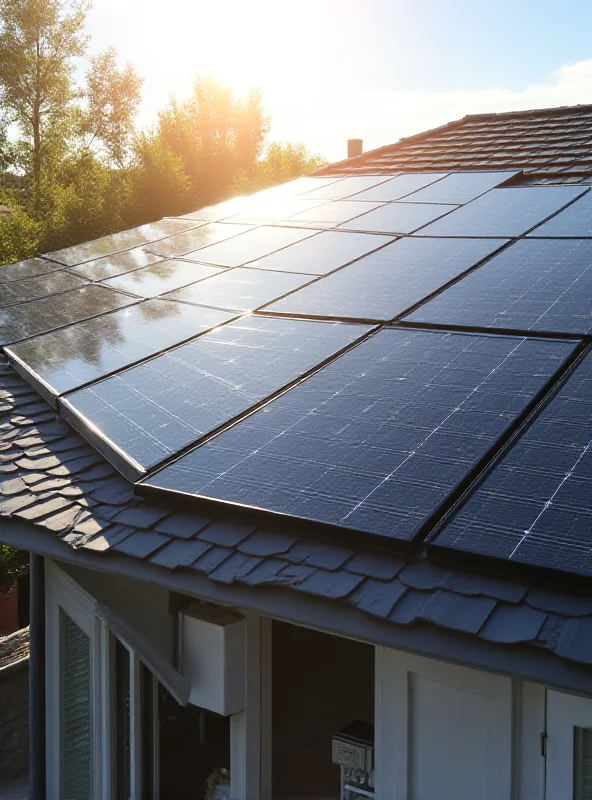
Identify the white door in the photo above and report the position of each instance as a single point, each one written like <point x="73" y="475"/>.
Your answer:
<point x="569" y="747"/>
<point x="444" y="732"/>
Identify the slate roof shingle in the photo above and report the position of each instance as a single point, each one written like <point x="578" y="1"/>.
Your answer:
<point x="102" y="516"/>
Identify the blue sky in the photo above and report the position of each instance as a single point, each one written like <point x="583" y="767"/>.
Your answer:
<point x="374" y="69"/>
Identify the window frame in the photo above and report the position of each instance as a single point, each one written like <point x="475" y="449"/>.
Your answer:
<point x="564" y="713"/>
<point x="63" y="593"/>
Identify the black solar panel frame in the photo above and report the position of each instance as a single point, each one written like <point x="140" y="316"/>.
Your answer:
<point x="431" y="523"/>
<point x="435" y="550"/>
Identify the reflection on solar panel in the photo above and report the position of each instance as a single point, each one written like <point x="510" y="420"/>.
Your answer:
<point x="575" y="220"/>
<point x="274" y="208"/>
<point x="504" y="212"/>
<point x="240" y="289"/>
<point x="534" y="285"/>
<point x="398" y="187"/>
<point x="278" y="193"/>
<point x="535" y="507"/>
<point x="328" y="214"/>
<point x="398" y="217"/>
<point x="376" y="440"/>
<point x="346" y="187"/>
<point x="191" y="240"/>
<point x="166" y="276"/>
<point x="248" y="246"/>
<point x="110" y="266"/>
<point x="78" y="354"/>
<point x="460" y="187"/>
<point x="154" y="409"/>
<point x="48" y="313"/>
<point x="322" y="253"/>
<point x="41" y="286"/>
<point x="116" y="242"/>
<point x="385" y="283"/>
<point x="26" y="269"/>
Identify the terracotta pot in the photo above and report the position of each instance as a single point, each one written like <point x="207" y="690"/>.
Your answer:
<point x="8" y="612"/>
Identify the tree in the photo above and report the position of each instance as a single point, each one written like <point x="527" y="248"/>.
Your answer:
<point x="39" y="41"/>
<point x="280" y="163"/>
<point x="112" y="100"/>
<point x="159" y="183"/>
<point x="19" y="233"/>
<point x="216" y="135"/>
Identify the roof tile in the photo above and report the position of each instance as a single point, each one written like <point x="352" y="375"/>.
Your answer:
<point x="377" y="597"/>
<point x="451" y="610"/>
<point x="511" y="624"/>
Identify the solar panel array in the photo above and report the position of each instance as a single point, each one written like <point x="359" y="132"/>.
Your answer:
<point x="349" y="351"/>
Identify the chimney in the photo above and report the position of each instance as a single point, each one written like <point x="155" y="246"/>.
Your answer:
<point x="354" y="148"/>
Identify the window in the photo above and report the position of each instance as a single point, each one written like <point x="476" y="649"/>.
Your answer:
<point x="582" y="764"/>
<point x="75" y="711"/>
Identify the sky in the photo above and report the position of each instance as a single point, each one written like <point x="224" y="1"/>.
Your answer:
<point x="377" y="70"/>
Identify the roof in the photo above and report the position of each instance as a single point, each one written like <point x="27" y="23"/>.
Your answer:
<point x="335" y="373"/>
<point x="545" y="143"/>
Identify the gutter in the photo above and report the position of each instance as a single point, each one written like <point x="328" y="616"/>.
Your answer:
<point x="514" y="661"/>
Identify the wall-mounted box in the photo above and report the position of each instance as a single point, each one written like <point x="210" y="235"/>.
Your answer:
<point x="212" y="644"/>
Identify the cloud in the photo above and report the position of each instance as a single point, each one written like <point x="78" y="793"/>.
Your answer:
<point x="325" y="120"/>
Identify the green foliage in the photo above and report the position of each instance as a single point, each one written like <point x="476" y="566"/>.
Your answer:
<point x="159" y="185"/>
<point x="13" y="563"/>
<point x="79" y="169"/>
<point x="39" y="42"/>
<point x="112" y="100"/>
<point x="216" y="135"/>
<point x="19" y="233"/>
<point x="280" y="163"/>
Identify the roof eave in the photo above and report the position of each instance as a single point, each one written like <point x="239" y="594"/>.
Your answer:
<point x="516" y="661"/>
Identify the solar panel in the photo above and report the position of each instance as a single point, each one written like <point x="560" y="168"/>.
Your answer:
<point x="322" y="253"/>
<point x="535" y="507"/>
<point x="274" y="208"/>
<point x="70" y="357"/>
<point x="385" y="283"/>
<point x="346" y="187"/>
<point x="504" y="212"/>
<point x="40" y="286"/>
<point x="248" y="246"/>
<point x="166" y="276"/>
<point x="237" y="205"/>
<point x="48" y="313"/>
<point x="534" y="285"/>
<point x="575" y="220"/>
<point x="378" y="439"/>
<point x="156" y="408"/>
<point x="398" y="187"/>
<point x="398" y="217"/>
<point x="240" y="289"/>
<point x="110" y="266"/>
<point x="460" y="187"/>
<point x="117" y="242"/>
<point x="26" y="269"/>
<point x="192" y="240"/>
<point x="328" y="214"/>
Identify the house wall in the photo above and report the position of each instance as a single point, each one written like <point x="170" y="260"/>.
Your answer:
<point x="144" y="605"/>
